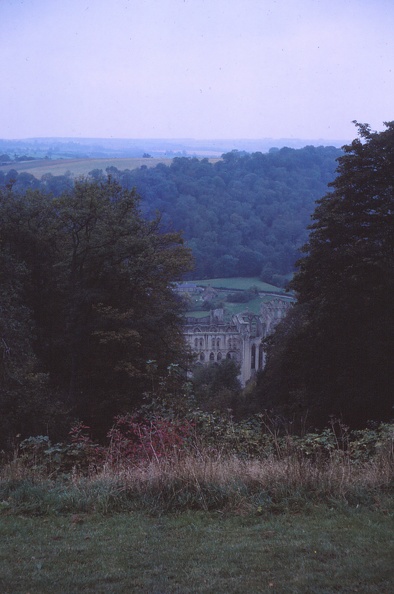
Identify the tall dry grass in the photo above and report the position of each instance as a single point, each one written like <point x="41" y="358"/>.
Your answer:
<point x="209" y="480"/>
<point x="205" y="478"/>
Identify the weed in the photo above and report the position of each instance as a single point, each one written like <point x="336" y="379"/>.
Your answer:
<point x="163" y="464"/>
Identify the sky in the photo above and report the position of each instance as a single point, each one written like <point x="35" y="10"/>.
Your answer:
<point x="203" y="69"/>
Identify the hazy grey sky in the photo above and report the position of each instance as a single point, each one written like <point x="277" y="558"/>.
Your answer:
<point x="195" y="68"/>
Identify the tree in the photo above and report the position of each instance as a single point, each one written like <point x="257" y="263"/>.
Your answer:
<point x="98" y="284"/>
<point x="10" y="178"/>
<point x="335" y="353"/>
<point x="216" y="386"/>
<point x="27" y="402"/>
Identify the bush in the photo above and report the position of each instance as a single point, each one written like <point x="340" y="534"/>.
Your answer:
<point x="134" y="438"/>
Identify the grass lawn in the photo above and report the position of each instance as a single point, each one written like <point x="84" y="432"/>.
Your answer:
<point x="228" y="286"/>
<point x="239" y="283"/>
<point x="322" y="551"/>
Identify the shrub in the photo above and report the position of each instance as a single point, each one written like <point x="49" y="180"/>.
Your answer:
<point x="135" y="438"/>
<point x="80" y="454"/>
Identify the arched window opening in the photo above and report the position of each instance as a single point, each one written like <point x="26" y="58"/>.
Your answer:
<point x="253" y="328"/>
<point x="202" y="357"/>
<point x="261" y="357"/>
<point x="253" y="357"/>
<point x="212" y="357"/>
<point x="219" y="356"/>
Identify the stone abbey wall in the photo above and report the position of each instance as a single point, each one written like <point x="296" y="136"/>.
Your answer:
<point x="211" y="339"/>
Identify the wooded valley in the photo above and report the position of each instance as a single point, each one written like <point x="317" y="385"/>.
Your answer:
<point x="90" y="324"/>
<point x="244" y="215"/>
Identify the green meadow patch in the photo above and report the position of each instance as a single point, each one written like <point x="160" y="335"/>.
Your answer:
<point x="257" y="291"/>
<point x="238" y="283"/>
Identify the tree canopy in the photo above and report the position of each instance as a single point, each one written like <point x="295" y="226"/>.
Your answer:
<point x="243" y="215"/>
<point x="334" y="354"/>
<point x="86" y="302"/>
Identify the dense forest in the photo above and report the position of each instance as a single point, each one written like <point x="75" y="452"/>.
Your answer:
<point x="244" y="215"/>
<point x="89" y="321"/>
<point x="333" y="355"/>
<point x="86" y="302"/>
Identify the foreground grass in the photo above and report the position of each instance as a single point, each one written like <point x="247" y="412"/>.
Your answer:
<point x="201" y="482"/>
<point x="300" y="515"/>
<point x="348" y="550"/>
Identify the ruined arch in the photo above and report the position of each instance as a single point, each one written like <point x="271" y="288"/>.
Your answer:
<point x="253" y="357"/>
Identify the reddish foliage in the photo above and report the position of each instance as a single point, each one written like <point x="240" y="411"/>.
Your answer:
<point x="136" y="438"/>
<point x="79" y="433"/>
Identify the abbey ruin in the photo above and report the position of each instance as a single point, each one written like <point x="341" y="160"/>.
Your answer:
<point x="212" y="339"/>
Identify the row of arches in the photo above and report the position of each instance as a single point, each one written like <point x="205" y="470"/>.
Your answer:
<point x="213" y="356"/>
<point x="256" y="356"/>
<point x="217" y="343"/>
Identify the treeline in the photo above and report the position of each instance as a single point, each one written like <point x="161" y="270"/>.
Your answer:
<point x="244" y="215"/>
<point x="334" y="353"/>
<point x="5" y="158"/>
<point x="88" y="318"/>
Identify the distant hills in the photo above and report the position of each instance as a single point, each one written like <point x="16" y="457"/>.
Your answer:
<point x="96" y="148"/>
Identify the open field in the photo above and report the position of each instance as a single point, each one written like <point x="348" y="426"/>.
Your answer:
<point x="79" y="166"/>
<point x="320" y="551"/>
<point x="226" y="286"/>
<point x="239" y="283"/>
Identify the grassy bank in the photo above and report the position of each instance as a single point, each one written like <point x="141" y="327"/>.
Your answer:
<point x="203" y="482"/>
<point x="348" y="550"/>
<point x="161" y="465"/>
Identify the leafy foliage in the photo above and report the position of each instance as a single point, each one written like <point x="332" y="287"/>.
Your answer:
<point x="136" y="438"/>
<point x="86" y="300"/>
<point x="216" y="387"/>
<point x="245" y="215"/>
<point x="334" y="355"/>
